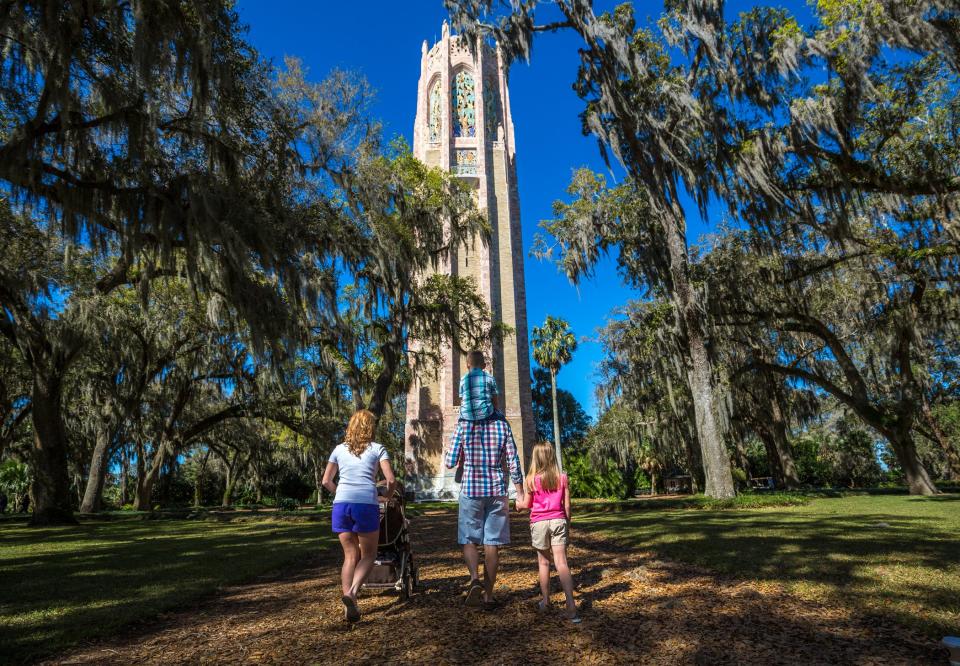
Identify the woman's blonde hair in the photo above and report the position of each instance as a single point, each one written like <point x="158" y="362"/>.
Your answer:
<point x="360" y="431"/>
<point x="543" y="463"/>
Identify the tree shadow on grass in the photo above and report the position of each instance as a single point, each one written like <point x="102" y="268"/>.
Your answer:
<point x="637" y="608"/>
<point x="73" y="583"/>
<point x="849" y="556"/>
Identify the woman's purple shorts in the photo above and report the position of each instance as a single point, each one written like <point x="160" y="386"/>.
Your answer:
<point x="355" y="517"/>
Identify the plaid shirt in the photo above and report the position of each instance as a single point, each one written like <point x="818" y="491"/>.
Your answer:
<point x="484" y="445"/>
<point x="477" y="389"/>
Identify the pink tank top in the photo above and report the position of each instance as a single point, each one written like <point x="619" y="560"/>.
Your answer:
<point x="547" y="504"/>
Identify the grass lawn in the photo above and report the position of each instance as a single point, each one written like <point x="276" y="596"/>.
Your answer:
<point x="61" y="585"/>
<point x="890" y="554"/>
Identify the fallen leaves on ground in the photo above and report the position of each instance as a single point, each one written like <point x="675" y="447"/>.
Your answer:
<point x="636" y="608"/>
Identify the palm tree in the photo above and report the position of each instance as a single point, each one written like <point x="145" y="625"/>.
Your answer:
<point x="553" y="347"/>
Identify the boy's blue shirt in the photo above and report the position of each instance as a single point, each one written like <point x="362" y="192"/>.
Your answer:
<point x="477" y="389"/>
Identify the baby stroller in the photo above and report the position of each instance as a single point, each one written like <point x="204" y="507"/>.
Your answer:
<point x="394" y="567"/>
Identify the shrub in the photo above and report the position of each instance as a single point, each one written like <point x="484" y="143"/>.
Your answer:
<point x="287" y="504"/>
<point x="586" y="480"/>
<point x="15" y="482"/>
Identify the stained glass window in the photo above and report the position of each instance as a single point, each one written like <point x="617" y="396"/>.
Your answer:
<point x="436" y="113"/>
<point x="464" y="105"/>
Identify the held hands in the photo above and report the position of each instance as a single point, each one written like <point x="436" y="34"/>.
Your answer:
<point x="523" y="500"/>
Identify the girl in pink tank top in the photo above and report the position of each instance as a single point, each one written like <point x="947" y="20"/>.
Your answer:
<point x="548" y="498"/>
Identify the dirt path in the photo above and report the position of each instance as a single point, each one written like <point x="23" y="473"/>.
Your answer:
<point x="637" y="609"/>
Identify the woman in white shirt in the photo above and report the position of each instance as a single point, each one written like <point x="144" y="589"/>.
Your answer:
<point x="356" y="510"/>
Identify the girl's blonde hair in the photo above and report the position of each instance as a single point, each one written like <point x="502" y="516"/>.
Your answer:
<point x="543" y="463"/>
<point x="360" y="431"/>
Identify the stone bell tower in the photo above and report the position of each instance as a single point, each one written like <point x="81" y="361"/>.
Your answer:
<point x="464" y="126"/>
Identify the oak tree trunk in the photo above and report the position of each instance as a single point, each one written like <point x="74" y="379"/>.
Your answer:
<point x="149" y="479"/>
<point x="93" y="494"/>
<point x="50" y="488"/>
<point x="918" y="480"/>
<point x="716" y="463"/>
<point x="787" y="465"/>
<point x="318" y="480"/>
<point x="141" y="472"/>
<point x="773" y="459"/>
<point x="198" y="482"/>
<point x="232" y="472"/>
<point x="124" y="474"/>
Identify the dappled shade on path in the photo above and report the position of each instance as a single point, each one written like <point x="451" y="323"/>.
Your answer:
<point x="638" y="609"/>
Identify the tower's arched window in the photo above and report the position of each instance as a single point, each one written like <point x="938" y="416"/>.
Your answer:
<point x="464" y="105"/>
<point x="436" y="112"/>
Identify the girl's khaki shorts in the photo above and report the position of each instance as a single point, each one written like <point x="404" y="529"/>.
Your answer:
<point x="547" y="533"/>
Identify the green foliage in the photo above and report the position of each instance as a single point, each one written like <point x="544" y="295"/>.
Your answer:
<point x="574" y="421"/>
<point x="843" y="456"/>
<point x="590" y="480"/>
<point x="553" y="344"/>
<point x="14" y="482"/>
<point x="740" y="477"/>
<point x="287" y="504"/>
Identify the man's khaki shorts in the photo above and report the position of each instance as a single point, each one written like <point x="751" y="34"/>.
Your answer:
<point x="547" y="533"/>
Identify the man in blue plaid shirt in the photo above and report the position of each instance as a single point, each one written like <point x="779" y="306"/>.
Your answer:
<point x="485" y="447"/>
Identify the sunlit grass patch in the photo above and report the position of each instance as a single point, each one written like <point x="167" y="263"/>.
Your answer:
<point x="892" y="555"/>
<point x="66" y="584"/>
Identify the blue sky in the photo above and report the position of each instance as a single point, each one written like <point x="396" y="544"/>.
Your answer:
<point x="381" y="39"/>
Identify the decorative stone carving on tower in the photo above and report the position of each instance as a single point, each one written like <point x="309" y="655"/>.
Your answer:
<point x="464" y="125"/>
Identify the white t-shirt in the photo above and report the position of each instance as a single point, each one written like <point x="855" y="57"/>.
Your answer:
<point x="358" y="474"/>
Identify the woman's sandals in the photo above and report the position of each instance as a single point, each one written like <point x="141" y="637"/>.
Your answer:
<point x="350" y="608"/>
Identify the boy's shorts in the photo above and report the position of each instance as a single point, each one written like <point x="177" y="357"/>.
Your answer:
<point x="495" y="415"/>
<point x="547" y="533"/>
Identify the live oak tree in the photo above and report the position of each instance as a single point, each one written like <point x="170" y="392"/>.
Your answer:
<point x="140" y="132"/>
<point x="853" y="117"/>
<point x="148" y="139"/>
<point x="135" y="344"/>
<point x="858" y="321"/>
<point x="14" y="397"/>
<point x="645" y="112"/>
<point x="48" y="339"/>
<point x="389" y="223"/>
<point x="622" y="436"/>
<point x="765" y="406"/>
<point x="642" y="373"/>
<point x="601" y="219"/>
